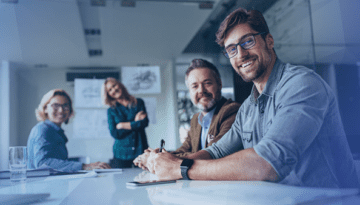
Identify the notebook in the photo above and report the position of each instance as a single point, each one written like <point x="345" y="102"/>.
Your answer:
<point x="10" y="199"/>
<point x="5" y="174"/>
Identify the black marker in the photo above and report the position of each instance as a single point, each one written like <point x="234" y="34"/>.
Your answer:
<point x="162" y="143"/>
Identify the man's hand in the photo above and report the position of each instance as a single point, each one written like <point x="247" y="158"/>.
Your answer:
<point x="140" y="116"/>
<point x="141" y="160"/>
<point x="96" y="165"/>
<point x="164" y="165"/>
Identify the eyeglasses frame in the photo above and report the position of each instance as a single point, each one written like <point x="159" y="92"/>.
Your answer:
<point x="63" y="106"/>
<point x="239" y="44"/>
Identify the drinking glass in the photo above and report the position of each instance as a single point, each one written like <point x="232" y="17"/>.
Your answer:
<point x="17" y="163"/>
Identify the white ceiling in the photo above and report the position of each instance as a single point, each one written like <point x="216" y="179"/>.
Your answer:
<point x="52" y="32"/>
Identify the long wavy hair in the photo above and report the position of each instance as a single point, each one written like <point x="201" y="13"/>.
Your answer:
<point x="108" y="100"/>
<point x="40" y="110"/>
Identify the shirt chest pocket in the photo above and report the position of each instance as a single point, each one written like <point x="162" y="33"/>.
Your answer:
<point x="247" y="139"/>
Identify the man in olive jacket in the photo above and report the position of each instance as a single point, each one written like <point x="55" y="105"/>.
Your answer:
<point x="216" y="116"/>
<point x="223" y="118"/>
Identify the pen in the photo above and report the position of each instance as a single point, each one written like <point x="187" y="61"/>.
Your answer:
<point x="162" y="143"/>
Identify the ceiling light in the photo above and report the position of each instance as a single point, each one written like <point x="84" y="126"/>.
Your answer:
<point x="128" y="3"/>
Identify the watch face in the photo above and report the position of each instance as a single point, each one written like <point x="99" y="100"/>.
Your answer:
<point x="187" y="163"/>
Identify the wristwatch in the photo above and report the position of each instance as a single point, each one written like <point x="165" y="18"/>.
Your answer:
<point x="185" y="166"/>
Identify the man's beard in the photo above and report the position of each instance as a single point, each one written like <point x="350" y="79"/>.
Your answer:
<point x="209" y="106"/>
<point x="259" y="72"/>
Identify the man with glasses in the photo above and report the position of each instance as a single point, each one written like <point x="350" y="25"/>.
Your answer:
<point x="288" y="130"/>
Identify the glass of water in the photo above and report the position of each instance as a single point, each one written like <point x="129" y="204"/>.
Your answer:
<point x="17" y="163"/>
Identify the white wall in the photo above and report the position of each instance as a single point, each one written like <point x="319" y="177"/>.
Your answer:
<point x="34" y="83"/>
<point x="8" y="111"/>
<point x="4" y="113"/>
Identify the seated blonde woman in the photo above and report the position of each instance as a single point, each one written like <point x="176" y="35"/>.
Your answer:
<point x="46" y="143"/>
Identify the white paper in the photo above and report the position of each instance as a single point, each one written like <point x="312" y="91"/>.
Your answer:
<point x="88" y="93"/>
<point x="72" y="176"/>
<point x="91" y="124"/>
<point x="107" y="170"/>
<point x="141" y="80"/>
<point x="150" y="105"/>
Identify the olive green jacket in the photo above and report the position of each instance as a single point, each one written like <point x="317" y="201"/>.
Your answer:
<point x="223" y="118"/>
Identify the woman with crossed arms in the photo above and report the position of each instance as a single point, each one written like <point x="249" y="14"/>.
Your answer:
<point x="127" y="120"/>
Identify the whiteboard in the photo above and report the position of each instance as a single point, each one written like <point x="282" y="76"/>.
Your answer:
<point x="90" y="121"/>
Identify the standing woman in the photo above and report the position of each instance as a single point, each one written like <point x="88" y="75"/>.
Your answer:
<point x="127" y="121"/>
<point x="46" y="142"/>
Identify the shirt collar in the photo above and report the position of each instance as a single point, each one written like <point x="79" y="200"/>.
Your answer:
<point x="53" y="125"/>
<point x="272" y="82"/>
<point x="57" y="129"/>
<point x="207" y="117"/>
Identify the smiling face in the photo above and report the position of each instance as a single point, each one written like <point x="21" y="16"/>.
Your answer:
<point x="58" y="109"/>
<point x="204" y="89"/>
<point x="113" y="89"/>
<point x="254" y="64"/>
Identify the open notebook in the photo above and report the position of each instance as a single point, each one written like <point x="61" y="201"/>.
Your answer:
<point x="10" y="199"/>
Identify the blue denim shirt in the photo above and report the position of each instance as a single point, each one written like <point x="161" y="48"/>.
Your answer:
<point x="295" y="125"/>
<point x="46" y="147"/>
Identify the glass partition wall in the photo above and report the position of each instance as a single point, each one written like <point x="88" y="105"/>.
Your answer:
<point x="320" y="34"/>
<point x="323" y="35"/>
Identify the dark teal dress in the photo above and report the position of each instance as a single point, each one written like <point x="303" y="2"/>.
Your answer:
<point x="128" y="143"/>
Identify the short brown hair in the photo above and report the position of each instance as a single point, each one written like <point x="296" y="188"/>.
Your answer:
<point x="201" y="63"/>
<point x="40" y="110"/>
<point x="240" y="16"/>
<point x="108" y="100"/>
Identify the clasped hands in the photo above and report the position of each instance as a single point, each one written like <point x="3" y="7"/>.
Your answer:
<point x="163" y="164"/>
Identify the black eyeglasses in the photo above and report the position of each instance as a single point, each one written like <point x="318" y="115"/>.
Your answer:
<point x="245" y="43"/>
<point x="65" y="107"/>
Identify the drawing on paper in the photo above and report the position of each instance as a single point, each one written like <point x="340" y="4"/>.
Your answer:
<point x="141" y="80"/>
<point x="88" y="93"/>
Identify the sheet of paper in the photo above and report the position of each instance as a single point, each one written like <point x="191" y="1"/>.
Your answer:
<point x="72" y="176"/>
<point x="107" y="170"/>
<point x="88" y="93"/>
<point x="91" y="124"/>
<point x="141" y="80"/>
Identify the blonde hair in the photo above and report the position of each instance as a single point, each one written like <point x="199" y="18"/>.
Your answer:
<point x="40" y="110"/>
<point x="108" y="100"/>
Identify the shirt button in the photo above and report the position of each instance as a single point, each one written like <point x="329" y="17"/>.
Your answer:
<point x="133" y="148"/>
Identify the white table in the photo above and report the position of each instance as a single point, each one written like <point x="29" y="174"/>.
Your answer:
<point x="111" y="188"/>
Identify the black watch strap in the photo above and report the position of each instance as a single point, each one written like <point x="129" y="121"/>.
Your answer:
<point x="185" y="166"/>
